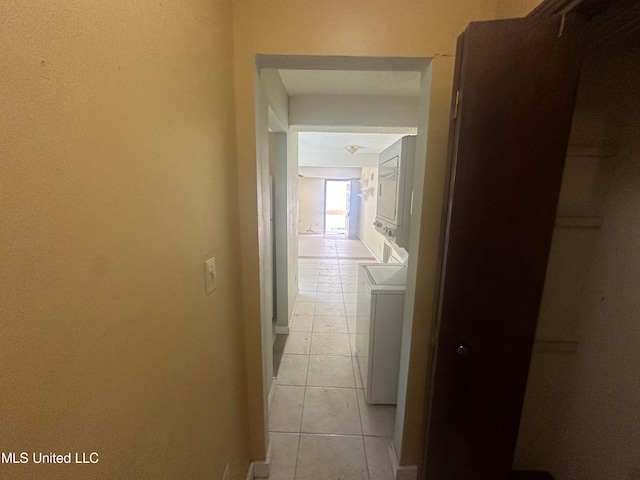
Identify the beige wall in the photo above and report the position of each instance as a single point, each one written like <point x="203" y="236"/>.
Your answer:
<point x="515" y="8"/>
<point x="117" y="159"/>
<point x="411" y="28"/>
<point x="311" y="204"/>
<point x="581" y="418"/>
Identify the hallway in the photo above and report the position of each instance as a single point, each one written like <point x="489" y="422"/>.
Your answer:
<point x="321" y="426"/>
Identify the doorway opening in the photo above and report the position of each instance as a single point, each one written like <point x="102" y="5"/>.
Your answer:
<point x="325" y="206"/>
<point x="336" y="206"/>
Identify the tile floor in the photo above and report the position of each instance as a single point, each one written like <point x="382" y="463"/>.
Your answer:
<point x="321" y="426"/>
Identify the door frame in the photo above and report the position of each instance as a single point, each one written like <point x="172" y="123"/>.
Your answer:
<point x="406" y="426"/>
<point x="324" y="216"/>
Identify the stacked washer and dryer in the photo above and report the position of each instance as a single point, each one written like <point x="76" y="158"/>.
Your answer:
<point x="381" y="286"/>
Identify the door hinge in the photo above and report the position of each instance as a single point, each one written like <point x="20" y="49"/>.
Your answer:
<point x="454" y="114"/>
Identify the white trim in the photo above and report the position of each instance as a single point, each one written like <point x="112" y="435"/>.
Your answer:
<point x="258" y="469"/>
<point x="401" y="472"/>
<point x="272" y="392"/>
<point x="378" y="259"/>
<point x="282" y="330"/>
<point x="261" y="469"/>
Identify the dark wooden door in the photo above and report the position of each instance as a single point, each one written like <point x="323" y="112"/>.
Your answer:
<point x="515" y="86"/>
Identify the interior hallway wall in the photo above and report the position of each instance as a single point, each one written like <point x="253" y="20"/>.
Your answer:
<point x="117" y="161"/>
<point x="515" y="8"/>
<point x="408" y="28"/>
<point x="311" y="204"/>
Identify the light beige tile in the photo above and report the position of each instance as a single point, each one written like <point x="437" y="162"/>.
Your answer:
<point x="286" y="409"/>
<point x="330" y="297"/>
<point x="301" y="323"/>
<point x="351" y="324"/>
<point x="298" y="343"/>
<point x="351" y="309"/>
<point x="307" y="278"/>
<point x="306" y="296"/>
<point x="351" y="263"/>
<point x="329" y="287"/>
<point x="330" y="344"/>
<point x="304" y="308"/>
<point x="377" y="420"/>
<point x="377" y="450"/>
<point x="308" y="286"/>
<point x="284" y="453"/>
<point x="349" y="266"/>
<point x="331" y="410"/>
<point x="350" y="287"/>
<point x="329" y="270"/>
<point x="310" y="271"/>
<point x="330" y="309"/>
<point x="352" y="343"/>
<point x="328" y="278"/>
<point x="350" y="297"/>
<point x="349" y="274"/>
<point x="308" y="261"/>
<point x="293" y="370"/>
<point x="356" y="372"/>
<point x="329" y="262"/>
<point x="330" y="371"/>
<point x="327" y="457"/>
<point x="330" y="324"/>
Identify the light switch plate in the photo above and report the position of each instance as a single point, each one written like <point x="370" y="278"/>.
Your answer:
<point x="210" y="275"/>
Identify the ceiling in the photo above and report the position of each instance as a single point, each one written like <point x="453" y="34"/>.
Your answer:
<point x="328" y="148"/>
<point x="351" y="82"/>
<point x="322" y="142"/>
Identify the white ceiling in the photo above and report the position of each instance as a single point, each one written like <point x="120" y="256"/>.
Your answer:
<point x="328" y="148"/>
<point x="324" y="142"/>
<point x="350" y="82"/>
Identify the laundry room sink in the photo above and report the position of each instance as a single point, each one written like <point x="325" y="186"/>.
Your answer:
<point x="386" y="275"/>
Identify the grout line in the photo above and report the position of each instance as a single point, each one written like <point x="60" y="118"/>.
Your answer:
<point x="304" y="398"/>
<point x="364" y="447"/>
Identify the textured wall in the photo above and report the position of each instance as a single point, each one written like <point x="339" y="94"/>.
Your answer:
<point x="117" y="159"/>
<point x="515" y="8"/>
<point x="311" y="204"/>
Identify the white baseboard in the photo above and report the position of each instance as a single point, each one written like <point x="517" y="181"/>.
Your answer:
<point x="258" y="469"/>
<point x="261" y="469"/>
<point x="401" y="472"/>
<point x="272" y="392"/>
<point x="282" y="330"/>
<point x="373" y="254"/>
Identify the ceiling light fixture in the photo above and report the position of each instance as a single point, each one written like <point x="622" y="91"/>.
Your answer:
<point x="352" y="149"/>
